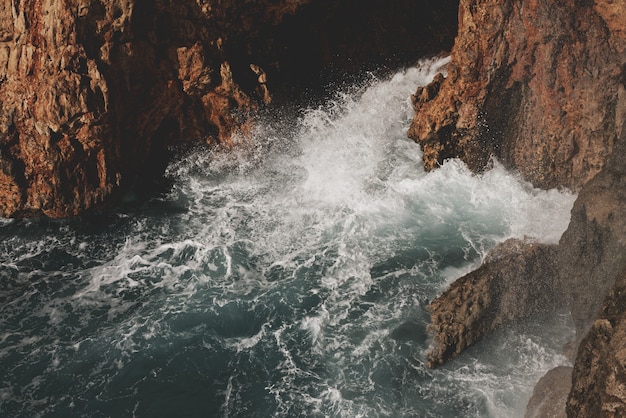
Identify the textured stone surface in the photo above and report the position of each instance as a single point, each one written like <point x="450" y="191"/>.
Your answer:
<point x="592" y="262"/>
<point x="538" y="84"/>
<point x="592" y="251"/>
<point x="550" y="394"/>
<point x="92" y="92"/>
<point x="517" y="279"/>
<point x="541" y="85"/>
<point x="599" y="378"/>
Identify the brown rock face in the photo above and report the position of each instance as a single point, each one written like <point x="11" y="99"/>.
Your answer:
<point x="592" y="251"/>
<point x="550" y="394"/>
<point x="592" y="259"/>
<point x="94" y="92"/>
<point x="518" y="279"/>
<point x="541" y="85"/>
<point x="599" y="379"/>
<point x="538" y="84"/>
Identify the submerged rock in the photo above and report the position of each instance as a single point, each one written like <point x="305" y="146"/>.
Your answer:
<point x="518" y="279"/>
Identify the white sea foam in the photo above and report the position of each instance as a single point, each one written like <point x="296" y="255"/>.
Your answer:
<point x="295" y="258"/>
<point x="346" y="186"/>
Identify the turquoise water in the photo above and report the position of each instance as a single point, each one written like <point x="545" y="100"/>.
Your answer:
<point x="288" y="278"/>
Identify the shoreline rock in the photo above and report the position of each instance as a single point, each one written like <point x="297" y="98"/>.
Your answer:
<point x="93" y="94"/>
<point x="599" y="378"/>
<point x="592" y="251"/>
<point x="517" y="280"/>
<point x="542" y="87"/>
<point x="537" y="84"/>
<point x="550" y="394"/>
<point x="588" y="264"/>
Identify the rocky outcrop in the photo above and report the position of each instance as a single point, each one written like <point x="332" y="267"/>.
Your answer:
<point x="516" y="280"/>
<point x="537" y="84"/>
<point x="550" y="394"/>
<point x="93" y="93"/>
<point x="588" y="263"/>
<point x="591" y="260"/>
<point x="541" y="86"/>
<point x="592" y="251"/>
<point x="599" y="379"/>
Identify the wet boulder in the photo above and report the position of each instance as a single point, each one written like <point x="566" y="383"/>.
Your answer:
<point x="517" y="279"/>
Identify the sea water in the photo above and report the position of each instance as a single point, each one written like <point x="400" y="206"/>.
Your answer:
<point x="288" y="277"/>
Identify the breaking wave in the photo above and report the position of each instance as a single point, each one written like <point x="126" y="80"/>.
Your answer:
<point x="286" y="278"/>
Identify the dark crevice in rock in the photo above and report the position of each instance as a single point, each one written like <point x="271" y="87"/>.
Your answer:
<point x="325" y="42"/>
<point x="498" y="124"/>
<point x="153" y="181"/>
<point x="14" y="167"/>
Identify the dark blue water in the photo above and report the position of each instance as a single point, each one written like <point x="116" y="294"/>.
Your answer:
<point x="288" y="278"/>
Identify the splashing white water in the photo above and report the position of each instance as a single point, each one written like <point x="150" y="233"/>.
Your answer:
<point x="294" y="271"/>
<point x="349" y="179"/>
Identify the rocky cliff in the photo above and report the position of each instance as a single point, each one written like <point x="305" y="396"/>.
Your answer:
<point x="93" y="93"/>
<point x="541" y="86"/>
<point x="592" y="259"/>
<point x="538" y="84"/>
<point x="599" y="378"/>
<point x="516" y="280"/>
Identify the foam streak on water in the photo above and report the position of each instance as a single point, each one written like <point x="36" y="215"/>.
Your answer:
<point x="287" y="278"/>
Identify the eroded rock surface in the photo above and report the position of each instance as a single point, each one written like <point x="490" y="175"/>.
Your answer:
<point x="541" y="86"/>
<point x="550" y="394"/>
<point x="592" y="251"/>
<point x="592" y="260"/>
<point x="518" y="279"/>
<point x="93" y="91"/>
<point x="538" y="84"/>
<point x="599" y="378"/>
